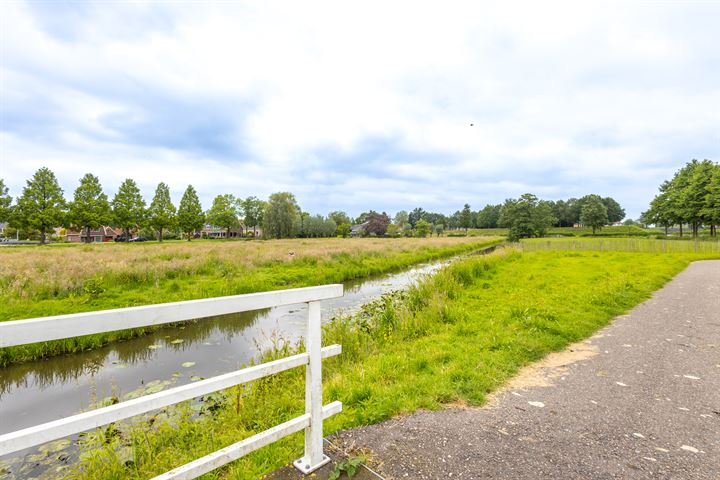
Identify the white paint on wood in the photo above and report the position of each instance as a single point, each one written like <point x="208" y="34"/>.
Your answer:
<point x="237" y="450"/>
<point x="20" y="332"/>
<point x="46" y="432"/>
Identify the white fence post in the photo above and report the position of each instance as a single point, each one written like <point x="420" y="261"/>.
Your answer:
<point x="314" y="457"/>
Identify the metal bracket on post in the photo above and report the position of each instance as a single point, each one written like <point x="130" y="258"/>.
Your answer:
<point x="314" y="457"/>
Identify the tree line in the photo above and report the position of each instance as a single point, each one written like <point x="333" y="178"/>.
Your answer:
<point x="691" y="197"/>
<point x="42" y="207"/>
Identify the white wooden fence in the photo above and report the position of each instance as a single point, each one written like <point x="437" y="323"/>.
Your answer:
<point x="20" y="332"/>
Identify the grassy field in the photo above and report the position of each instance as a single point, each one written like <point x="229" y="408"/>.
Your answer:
<point x="646" y="245"/>
<point x="41" y="281"/>
<point x="614" y="231"/>
<point x="453" y="339"/>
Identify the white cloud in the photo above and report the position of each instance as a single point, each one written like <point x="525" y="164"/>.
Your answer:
<point x="565" y="98"/>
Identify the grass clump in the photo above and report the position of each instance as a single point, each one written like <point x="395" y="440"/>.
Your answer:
<point x="454" y="338"/>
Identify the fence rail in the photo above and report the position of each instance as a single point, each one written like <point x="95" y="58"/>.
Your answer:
<point x="20" y="332"/>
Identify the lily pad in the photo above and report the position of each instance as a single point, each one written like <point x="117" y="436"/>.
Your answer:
<point x="177" y="341"/>
<point x="155" y="347"/>
<point x="188" y="364"/>
<point x="195" y="378"/>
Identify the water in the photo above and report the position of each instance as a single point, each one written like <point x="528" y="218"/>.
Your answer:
<point x="41" y="391"/>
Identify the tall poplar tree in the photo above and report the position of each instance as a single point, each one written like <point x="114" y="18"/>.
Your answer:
<point x="90" y="207"/>
<point x="41" y="205"/>
<point x="161" y="214"/>
<point x="190" y="215"/>
<point x="128" y="207"/>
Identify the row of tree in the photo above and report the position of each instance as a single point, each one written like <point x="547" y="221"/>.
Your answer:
<point x="691" y="197"/>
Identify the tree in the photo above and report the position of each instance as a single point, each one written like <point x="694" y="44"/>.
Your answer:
<point x="594" y="213"/>
<point x="343" y="230"/>
<point x="401" y="218"/>
<point x="615" y="212"/>
<point x="5" y="201"/>
<point x="280" y="216"/>
<point x="41" y="205"/>
<point x="423" y="228"/>
<point x="711" y="209"/>
<point x="339" y="217"/>
<point x="128" y="207"/>
<point x="377" y="223"/>
<point x="439" y="229"/>
<point x="417" y="214"/>
<point x="488" y="217"/>
<point x="466" y="218"/>
<point x="223" y="213"/>
<point x="90" y="207"/>
<point x="253" y="208"/>
<point x="526" y="217"/>
<point x="161" y="214"/>
<point x="190" y="217"/>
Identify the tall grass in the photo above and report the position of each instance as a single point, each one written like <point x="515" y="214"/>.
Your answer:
<point x="455" y="337"/>
<point x="622" y="245"/>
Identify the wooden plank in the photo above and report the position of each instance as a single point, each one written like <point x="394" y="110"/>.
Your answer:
<point x="39" y="434"/>
<point x="237" y="450"/>
<point x="20" y="332"/>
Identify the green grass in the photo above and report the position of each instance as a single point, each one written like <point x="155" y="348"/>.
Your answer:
<point x="613" y="231"/>
<point x="454" y="338"/>
<point x="148" y="279"/>
<point x="622" y="245"/>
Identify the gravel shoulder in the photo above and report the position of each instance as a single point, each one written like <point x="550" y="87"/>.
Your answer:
<point x="640" y="400"/>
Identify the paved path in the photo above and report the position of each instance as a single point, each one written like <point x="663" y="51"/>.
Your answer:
<point x="641" y="399"/>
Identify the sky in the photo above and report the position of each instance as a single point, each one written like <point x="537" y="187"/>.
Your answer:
<point x="361" y="105"/>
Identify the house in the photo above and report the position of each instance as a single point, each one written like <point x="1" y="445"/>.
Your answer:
<point x="2" y="229"/>
<point x="211" y="231"/>
<point x="102" y="234"/>
<point x="358" y="230"/>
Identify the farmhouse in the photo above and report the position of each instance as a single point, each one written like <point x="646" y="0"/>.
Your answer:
<point x="103" y="234"/>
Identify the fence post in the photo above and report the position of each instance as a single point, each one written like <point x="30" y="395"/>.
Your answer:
<point x="314" y="457"/>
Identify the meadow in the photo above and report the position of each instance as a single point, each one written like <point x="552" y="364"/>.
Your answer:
<point x="612" y="231"/>
<point x="451" y="340"/>
<point x="52" y="280"/>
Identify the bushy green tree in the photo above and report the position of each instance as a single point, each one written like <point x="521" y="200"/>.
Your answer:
<point x="5" y="202"/>
<point x="526" y="217"/>
<point x="422" y="228"/>
<point x="401" y="218"/>
<point x="161" y="214"/>
<point x="41" y="205"/>
<point x="339" y="217"/>
<point x="190" y="216"/>
<point x="90" y="207"/>
<point x="223" y="213"/>
<point x="439" y="229"/>
<point x="343" y="230"/>
<point x="128" y="207"/>
<point x="594" y="212"/>
<point x="615" y="212"/>
<point x="253" y="209"/>
<point x="281" y="215"/>
<point x="488" y="217"/>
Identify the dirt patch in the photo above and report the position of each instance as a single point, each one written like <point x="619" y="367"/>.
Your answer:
<point x="542" y="373"/>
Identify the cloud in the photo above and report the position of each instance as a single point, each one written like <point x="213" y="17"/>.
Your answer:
<point x="359" y="106"/>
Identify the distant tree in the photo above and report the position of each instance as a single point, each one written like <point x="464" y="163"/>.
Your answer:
<point x="393" y="230"/>
<point x="423" y="228"/>
<point x="417" y="214"/>
<point x="711" y="208"/>
<point x="488" y="217"/>
<point x="466" y="218"/>
<point x="401" y="218"/>
<point x="253" y="208"/>
<point x="280" y="216"/>
<point x="339" y="217"/>
<point x="128" y="207"/>
<point x="161" y="214"/>
<point x="615" y="212"/>
<point x="360" y="219"/>
<point x="190" y="216"/>
<point x="439" y="229"/>
<point x="343" y="230"/>
<point x="526" y="217"/>
<point x="90" y="207"/>
<point x="223" y="213"/>
<point x="564" y="212"/>
<point x="41" y="205"/>
<point x="593" y="213"/>
<point x="5" y="201"/>
<point x="377" y="223"/>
